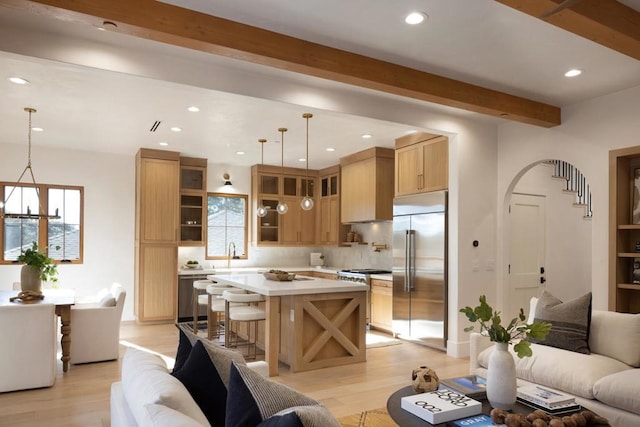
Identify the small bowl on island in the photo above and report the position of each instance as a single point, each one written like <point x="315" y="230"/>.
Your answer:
<point x="279" y="275"/>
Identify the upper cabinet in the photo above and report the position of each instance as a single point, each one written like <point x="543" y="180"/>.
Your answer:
<point x="273" y="184"/>
<point x="421" y="163"/>
<point x="624" y="230"/>
<point x="193" y="201"/>
<point x="367" y="185"/>
<point x="331" y="232"/>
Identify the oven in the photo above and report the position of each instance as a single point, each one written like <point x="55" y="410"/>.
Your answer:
<point x="362" y="275"/>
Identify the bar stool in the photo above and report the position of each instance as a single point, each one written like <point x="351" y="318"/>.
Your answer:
<point x="247" y="312"/>
<point x="200" y="298"/>
<point x="216" y="307"/>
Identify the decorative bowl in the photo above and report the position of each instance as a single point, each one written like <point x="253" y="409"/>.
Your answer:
<point x="192" y="266"/>
<point x="280" y="277"/>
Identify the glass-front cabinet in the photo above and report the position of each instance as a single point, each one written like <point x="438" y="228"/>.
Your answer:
<point x="272" y="185"/>
<point x="193" y="201"/>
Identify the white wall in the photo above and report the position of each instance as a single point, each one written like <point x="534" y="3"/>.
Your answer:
<point x="588" y="132"/>
<point x="109" y="194"/>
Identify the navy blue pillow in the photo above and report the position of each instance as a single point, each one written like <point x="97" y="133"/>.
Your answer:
<point x="184" y="349"/>
<point x="242" y="410"/>
<point x="200" y="377"/>
<point x="290" y="419"/>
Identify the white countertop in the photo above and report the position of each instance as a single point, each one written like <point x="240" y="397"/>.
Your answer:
<point x="246" y="270"/>
<point x="314" y="285"/>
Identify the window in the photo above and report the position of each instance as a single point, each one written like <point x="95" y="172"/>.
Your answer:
<point x="226" y="224"/>
<point x="62" y="237"/>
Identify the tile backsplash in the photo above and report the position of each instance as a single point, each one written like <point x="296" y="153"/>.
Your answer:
<point x="356" y="256"/>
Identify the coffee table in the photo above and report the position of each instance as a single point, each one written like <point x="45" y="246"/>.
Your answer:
<point x="406" y="419"/>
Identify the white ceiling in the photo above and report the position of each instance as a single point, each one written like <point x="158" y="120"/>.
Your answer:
<point x="102" y="91"/>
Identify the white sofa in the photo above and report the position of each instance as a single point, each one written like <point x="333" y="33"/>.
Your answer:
<point x="95" y="326"/>
<point x="149" y="395"/>
<point x="29" y="346"/>
<point x="607" y="381"/>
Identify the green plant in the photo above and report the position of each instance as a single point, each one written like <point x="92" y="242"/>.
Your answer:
<point x="41" y="262"/>
<point x="517" y="331"/>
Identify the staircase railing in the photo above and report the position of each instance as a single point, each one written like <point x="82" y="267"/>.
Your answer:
<point x="576" y="183"/>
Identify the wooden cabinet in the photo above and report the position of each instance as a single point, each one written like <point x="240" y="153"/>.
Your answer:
<point x="381" y="304"/>
<point x="331" y="232"/>
<point x="421" y="163"/>
<point x="272" y="184"/>
<point x="193" y="201"/>
<point x="319" y="274"/>
<point x="367" y="186"/>
<point x="624" y="230"/>
<point x="156" y="235"/>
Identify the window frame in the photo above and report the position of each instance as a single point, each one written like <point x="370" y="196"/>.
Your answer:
<point x="43" y="223"/>
<point x="245" y="254"/>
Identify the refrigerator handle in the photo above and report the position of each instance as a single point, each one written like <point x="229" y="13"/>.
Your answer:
<point x="412" y="259"/>
<point x="407" y="238"/>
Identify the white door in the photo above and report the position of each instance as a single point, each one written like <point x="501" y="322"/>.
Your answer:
<point x="527" y="252"/>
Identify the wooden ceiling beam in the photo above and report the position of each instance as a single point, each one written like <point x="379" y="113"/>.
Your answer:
<point x="190" y="29"/>
<point x="606" y="22"/>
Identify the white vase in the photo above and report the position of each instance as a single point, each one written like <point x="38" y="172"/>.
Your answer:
<point x="501" y="378"/>
<point x="30" y="279"/>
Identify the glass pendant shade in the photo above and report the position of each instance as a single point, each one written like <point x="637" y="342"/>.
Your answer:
<point x="282" y="208"/>
<point x="262" y="211"/>
<point x="307" y="203"/>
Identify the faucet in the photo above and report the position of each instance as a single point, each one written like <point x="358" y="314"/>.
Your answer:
<point x="229" y="256"/>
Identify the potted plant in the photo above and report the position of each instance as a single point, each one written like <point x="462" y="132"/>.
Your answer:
<point x="38" y="267"/>
<point x="501" y="372"/>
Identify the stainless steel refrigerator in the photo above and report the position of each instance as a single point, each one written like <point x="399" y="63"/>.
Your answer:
<point x="420" y="268"/>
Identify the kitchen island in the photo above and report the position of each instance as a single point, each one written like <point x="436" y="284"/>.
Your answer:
<point x="311" y="323"/>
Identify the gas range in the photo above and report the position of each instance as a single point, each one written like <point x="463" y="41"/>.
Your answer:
<point x="361" y="275"/>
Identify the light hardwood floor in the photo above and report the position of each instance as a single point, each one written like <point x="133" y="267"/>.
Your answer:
<point x="80" y="397"/>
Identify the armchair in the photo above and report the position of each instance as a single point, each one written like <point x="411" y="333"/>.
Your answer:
<point x="95" y="327"/>
<point x="29" y="346"/>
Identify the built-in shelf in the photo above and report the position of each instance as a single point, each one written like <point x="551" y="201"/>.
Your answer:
<point x="632" y="286"/>
<point x="354" y="243"/>
<point x="629" y="254"/>
<point x="629" y="227"/>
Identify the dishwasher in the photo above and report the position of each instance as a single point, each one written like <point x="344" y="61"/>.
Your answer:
<point x="185" y="299"/>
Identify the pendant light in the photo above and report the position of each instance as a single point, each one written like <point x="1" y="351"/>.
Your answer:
<point x="307" y="202"/>
<point x="262" y="209"/>
<point x="27" y="215"/>
<point x="282" y="207"/>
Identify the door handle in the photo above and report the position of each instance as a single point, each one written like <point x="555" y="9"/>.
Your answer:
<point x="406" y="261"/>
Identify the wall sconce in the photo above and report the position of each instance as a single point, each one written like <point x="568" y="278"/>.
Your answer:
<point x="226" y="178"/>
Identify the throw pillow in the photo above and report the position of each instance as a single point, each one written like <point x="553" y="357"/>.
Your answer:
<point x="184" y="349"/>
<point x="569" y="322"/>
<point x="253" y="399"/>
<point x="200" y="377"/>
<point x="146" y="380"/>
<point x="107" y="300"/>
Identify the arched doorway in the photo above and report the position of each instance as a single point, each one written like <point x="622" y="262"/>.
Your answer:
<point x="547" y="236"/>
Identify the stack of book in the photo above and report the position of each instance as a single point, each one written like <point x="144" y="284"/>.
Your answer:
<point x="547" y="399"/>
<point x="470" y="385"/>
<point x="440" y="406"/>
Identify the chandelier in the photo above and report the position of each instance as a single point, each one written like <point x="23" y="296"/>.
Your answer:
<point x="28" y="214"/>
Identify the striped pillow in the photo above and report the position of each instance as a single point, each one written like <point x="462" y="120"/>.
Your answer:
<point x="570" y="322"/>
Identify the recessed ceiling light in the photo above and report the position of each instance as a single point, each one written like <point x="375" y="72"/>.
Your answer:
<point x="330" y="149"/>
<point x="367" y="136"/>
<point x="18" y="80"/>
<point x="240" y="153"/>
<point x="164" y="144"/>
<point x="415" y="18"/>
<point x="193" y="109"/>
<point x="573" y="73"/>
<point x="36" y="129"/>
<point x="302" y="159"/>
<point x="176" y="129"/>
